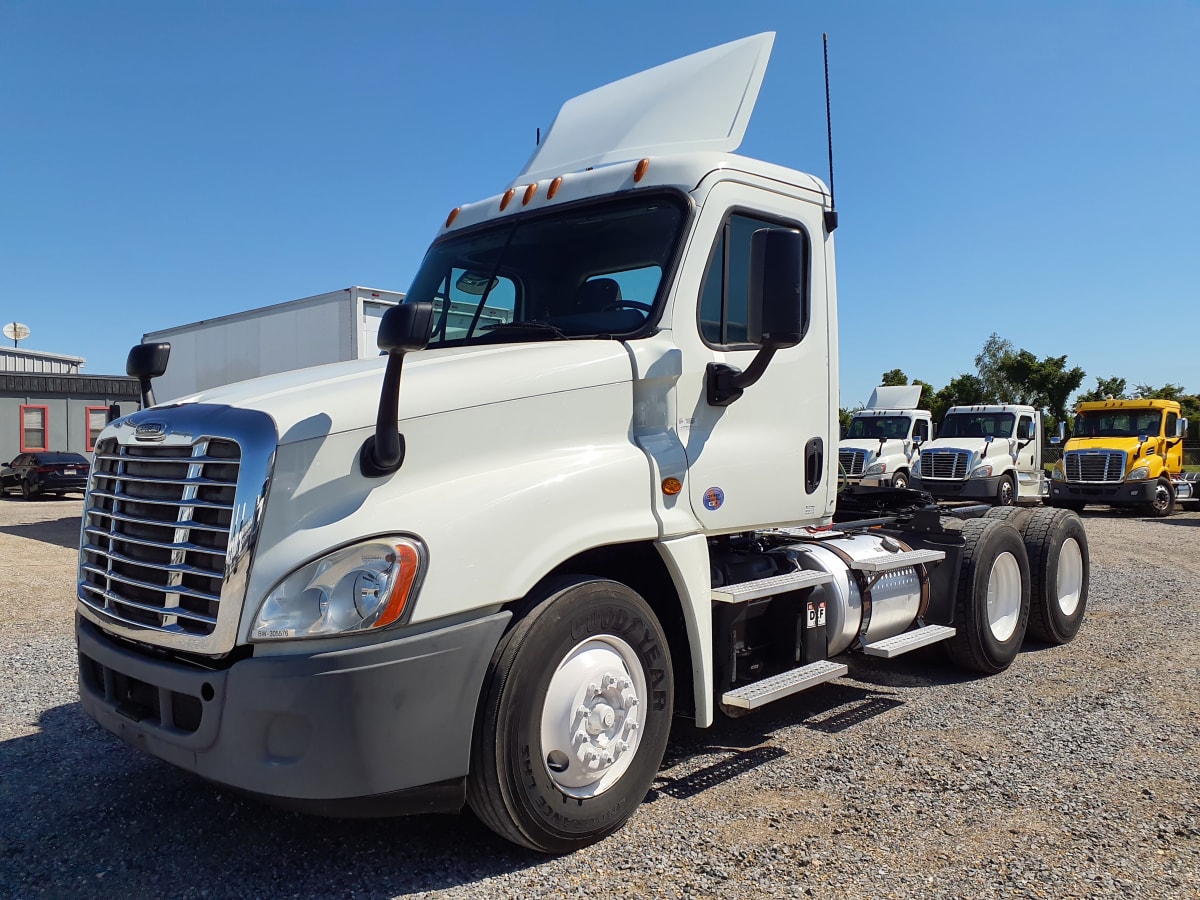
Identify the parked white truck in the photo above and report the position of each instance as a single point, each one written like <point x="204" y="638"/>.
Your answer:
<point x="884" y="437"/>
<point x="499" y="585"/>
<point x="990" y="453"/>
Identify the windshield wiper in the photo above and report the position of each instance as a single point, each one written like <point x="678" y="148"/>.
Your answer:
<point x="529" y="325"/>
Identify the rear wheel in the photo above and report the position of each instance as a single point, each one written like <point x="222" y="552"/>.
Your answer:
<point x="574" y="718"/>
<point x="1058" y="574"/>
<point x="991" y="610"/>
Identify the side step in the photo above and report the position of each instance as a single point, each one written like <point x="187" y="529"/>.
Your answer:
<point x="910" y="640"/>
<point x="759" y="693"/>
<point x="888" y="562"/>
<point x="765" y="587"/>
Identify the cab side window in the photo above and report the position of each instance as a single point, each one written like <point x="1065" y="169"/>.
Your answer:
<point x="1172" y="421"/>
<point x="1023" y="427"/>
<point x="921" y="430"/>
<point x="724" y="294"/>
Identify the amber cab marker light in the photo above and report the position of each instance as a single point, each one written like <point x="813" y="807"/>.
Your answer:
<point x="530" y="192"/>
<point x="554" y="186"/>
<point x="453" y="215"/>
<point x="398" y="598"/>
<point x="640" y="172"/>
<point x="671" y="486"/>
<point x="506" y="199"/>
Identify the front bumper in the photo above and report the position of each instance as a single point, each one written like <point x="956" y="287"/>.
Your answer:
<point x="381" y="729"/>
<point x="1130" y="493"/>
<point x="968" y="489"/>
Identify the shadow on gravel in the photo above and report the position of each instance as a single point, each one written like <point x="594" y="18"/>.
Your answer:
<point x="64" y="532"/>
<point x="82" y="815"/>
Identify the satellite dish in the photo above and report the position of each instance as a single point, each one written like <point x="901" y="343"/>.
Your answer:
<point x="16" y="331"/>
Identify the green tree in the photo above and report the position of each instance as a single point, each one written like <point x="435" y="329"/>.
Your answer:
<point x="893" y="377"/>
<point x="965" y="390"/>
<point x="1105" y="389"/>
<point x="1043" y="383"/>
<point x="996" y="386"/>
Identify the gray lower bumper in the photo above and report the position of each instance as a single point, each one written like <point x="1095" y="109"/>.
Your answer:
<point x="969" y="489"/>
<point x="1133" y="493"/>
<point x="337" y="731"/>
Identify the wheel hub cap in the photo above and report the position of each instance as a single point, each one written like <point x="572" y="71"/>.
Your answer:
<point x="1070" y="576"/>
<point x="1004" y="597"/>
<point x="592" y="716"/>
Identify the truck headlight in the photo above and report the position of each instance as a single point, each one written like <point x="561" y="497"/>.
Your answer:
<point x="916" y="469"/>
<point x="1141" y="473"/>
<point x="362" y="587"/>
<point x="877" y="469"/>
<point x="983" y="471"/>
<point x="1057" y="474"/>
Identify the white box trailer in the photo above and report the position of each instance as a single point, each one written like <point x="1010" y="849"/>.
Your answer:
<point x="332" y="327"/>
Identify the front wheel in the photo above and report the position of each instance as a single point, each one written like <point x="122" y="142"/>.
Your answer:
<point x="900" y="479"/>
<point x="1163" y="502"/>
<point x="27" y="492"/>
<point x="574" y="718"/>
<point x="991" y="607"/>
<point x="1006" y="492"/>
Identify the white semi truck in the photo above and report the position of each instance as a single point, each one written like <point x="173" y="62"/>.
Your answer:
<point x="988" y="453"/>
<point x="493" y="568"/>
<point x="883" y="439"/>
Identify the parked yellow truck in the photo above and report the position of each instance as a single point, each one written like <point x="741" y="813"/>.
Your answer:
<point x="1124" y="453"/>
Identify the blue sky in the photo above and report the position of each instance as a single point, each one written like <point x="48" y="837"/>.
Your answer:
<point x="1031" y="169"/>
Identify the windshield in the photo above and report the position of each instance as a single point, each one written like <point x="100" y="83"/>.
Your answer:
<point x="1118" y="423"/>
<point x="588" y="271"/>
<point x="977" y="425"/>
<point x="875" y="427"/>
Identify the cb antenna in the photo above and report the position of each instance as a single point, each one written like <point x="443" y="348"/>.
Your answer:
<point x="831" y="216"/>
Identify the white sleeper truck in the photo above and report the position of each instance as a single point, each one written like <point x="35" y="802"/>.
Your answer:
<point x="883" y="439"/>
<point x="492" y="568"/>
<point x="987" y="453"/>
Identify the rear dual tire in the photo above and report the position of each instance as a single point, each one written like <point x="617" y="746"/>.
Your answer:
<point x="992" y="601"/>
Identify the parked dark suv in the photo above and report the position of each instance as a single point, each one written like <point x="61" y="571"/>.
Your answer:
<point x="49" y="472"/>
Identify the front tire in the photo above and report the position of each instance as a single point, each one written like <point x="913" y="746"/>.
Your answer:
<point x="1163" y="503"/>
<point x="991" y="607"/>
<point x="1058" y="574"/>
<point x="900" y="479"/>
<point x="27" y="492"/>
<point x="1006" y="491"/>
<point x="574" y="719"/>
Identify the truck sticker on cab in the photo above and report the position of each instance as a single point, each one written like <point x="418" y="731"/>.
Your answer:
<point x="713" y="498"/>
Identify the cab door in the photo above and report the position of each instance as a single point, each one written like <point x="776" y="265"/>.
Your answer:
<point x="763" y="459"/>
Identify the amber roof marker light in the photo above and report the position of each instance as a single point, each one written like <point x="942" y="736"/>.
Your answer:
<point x="453" y="215"/>
<point x="553" y="189"/>
<point x="640" y="171"/>
<point x="507" y="199"/>
<point x="530" y="193"/>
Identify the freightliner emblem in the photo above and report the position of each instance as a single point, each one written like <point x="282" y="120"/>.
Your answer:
<point x="150" y="431"/>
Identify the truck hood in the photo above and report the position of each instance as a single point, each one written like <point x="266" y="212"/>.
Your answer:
<point x="314" y="402"/>
<point x="1127" y="444"/>
<point x="893" y="445"/>
<point x="978" y="446"/>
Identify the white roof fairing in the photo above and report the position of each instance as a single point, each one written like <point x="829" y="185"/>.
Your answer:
<point x="701" y="102"/>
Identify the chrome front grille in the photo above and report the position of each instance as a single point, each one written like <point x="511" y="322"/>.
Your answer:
<point x="171" y="520"/>
<point x="945" y="464"/>
<point x="852" y="461"/>
<point x="156" y="533"/>
<point x="1094" y="466"/>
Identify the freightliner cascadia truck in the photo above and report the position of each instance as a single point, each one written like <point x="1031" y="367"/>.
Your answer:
<point x="883" y="439"/>
<point x="492" y="568"/>
<point x="1124" y="453"/>
<point x="988" y="453"/>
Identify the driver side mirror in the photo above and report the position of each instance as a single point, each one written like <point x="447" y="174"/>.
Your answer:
<point x="1062" y="434"/>
<point x="146" y="362"/>
<point x="1181" y="427"/>
<point x="777" y="314"/>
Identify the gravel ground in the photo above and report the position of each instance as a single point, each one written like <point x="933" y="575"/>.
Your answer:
<point x="1070" y="775"/>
